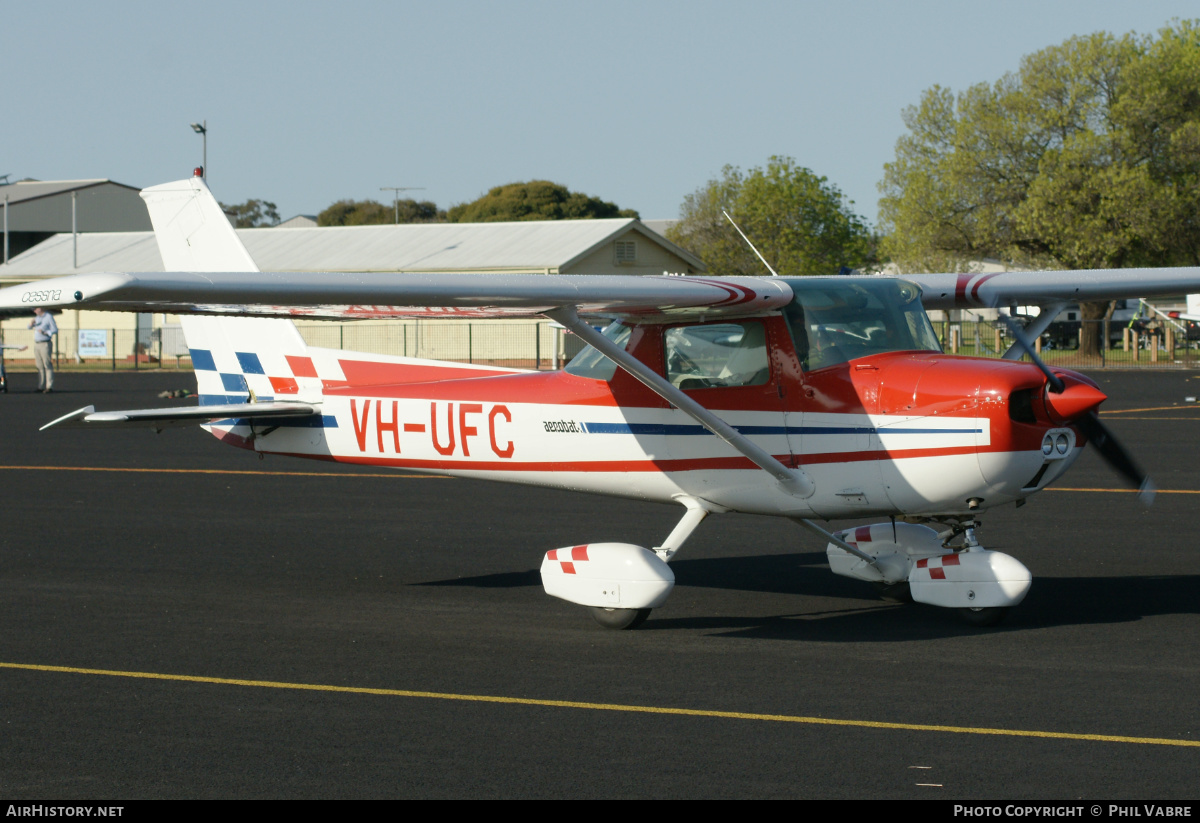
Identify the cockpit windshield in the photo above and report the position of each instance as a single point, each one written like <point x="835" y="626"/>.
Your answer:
<point x="833" y="321"/>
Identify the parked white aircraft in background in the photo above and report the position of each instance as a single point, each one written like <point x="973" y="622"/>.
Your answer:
<point x="1193" y="309"/>
<point x="811" y="398"/>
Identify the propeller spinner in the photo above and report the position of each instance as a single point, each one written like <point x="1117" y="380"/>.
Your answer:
<point x="1076" y="404"/>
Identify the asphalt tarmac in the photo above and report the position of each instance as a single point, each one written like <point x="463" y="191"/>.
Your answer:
<point x="181" y="620"/>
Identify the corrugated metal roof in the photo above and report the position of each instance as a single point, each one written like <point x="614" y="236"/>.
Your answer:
<point x="130" y="251"/>
<point x="516" y="246"/>
<point x="299" y="221"/>
<point x="429" y="246"/>
<point x="32" y="189"/>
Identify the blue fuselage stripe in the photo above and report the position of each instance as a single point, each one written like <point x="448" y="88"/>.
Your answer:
<point x="680" y="431"/>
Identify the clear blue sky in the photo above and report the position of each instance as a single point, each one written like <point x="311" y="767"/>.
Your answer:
<point x="639" y="103"/>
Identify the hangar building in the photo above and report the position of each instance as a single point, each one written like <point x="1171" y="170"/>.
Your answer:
<point x="622" y="246"/>
<point x="35" y="210"/>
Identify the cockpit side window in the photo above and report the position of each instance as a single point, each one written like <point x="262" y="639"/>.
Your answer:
<point x="591" y="363"/>
<point x="717" y="355"/>
<point x="834" y="321"/>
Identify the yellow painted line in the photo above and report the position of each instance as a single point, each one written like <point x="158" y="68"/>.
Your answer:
<point x="1120" y="491"/>
<point x="1161" y="418"/>
<point x="1110" y="412"/>
<point x="221" y="471"/>
<point x="611" y="707"/>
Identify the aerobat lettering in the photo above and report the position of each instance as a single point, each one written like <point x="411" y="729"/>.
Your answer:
<point x="561" y="426"/>
<point x="452" y="428"/>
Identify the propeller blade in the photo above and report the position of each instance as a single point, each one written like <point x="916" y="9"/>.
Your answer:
<point x="1096" y="432"/>
<point x="1115" y="455"/>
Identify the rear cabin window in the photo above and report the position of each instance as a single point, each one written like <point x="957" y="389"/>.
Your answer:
<point x="718" y="355"/>
<point x="834" y="321"/>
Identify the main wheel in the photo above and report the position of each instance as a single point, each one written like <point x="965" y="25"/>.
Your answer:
<point x="620" y="618"/>
<point x="893" y="592"/>
<point x="983" y="617"/>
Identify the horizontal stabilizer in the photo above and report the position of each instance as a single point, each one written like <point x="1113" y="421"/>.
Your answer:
<point x="190" y="415"/>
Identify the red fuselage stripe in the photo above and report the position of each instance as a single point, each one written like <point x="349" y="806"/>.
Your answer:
<point x="602" y="466"/>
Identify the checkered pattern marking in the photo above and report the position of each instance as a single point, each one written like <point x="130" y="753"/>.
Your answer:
<point x="934" y="565"/>
<point x="301" y="366"/>
<point x="239" y="383"/>
<point x="251" y="371"/>
<point x="249" y="362"/>
<point x="861" y="534"/>
<point x="577" y="554"/>
<point x="202" y="360"/>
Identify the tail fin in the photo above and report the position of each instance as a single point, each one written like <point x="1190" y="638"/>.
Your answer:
<point x="236" y="359"/>
<point x="192" y="230"/>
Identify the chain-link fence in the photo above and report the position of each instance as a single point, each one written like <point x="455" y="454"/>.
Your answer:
<point x="513" y="345"/>
<point x="524" y="345"/>
<point x="1161" y="344"/>
<point x="542" y="345"/>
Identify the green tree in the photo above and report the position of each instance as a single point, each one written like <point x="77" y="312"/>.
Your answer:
<point x="1160" y="112"/>
<point x="1087" y="157"/>
<point x="373" y="213"/>
<point x="414" y="211"/>
<point x="535" y="200"/>
<point x="356" y="213"/>
<point x="800" y="222"/>
<point x="252" y="214"/>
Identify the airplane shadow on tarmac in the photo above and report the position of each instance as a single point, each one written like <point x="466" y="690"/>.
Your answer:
<point x="1053" y="601"/>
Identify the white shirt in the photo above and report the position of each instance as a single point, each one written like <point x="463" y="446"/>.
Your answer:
<point x="43" y="326"/>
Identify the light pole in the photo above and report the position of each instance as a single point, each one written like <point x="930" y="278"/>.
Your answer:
<point x="202" y="130"/>
<point x="396" y="197"/>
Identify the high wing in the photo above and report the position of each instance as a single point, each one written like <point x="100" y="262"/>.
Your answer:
<point x="378" y="295"/>
<point x="1048" y="288"/>
<point x="362" y="295"/>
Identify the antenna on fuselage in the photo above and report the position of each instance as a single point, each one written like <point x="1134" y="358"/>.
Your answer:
<point x="751" y="245"/>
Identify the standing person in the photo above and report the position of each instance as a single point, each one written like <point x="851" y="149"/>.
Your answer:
<point x="44" y="329"/>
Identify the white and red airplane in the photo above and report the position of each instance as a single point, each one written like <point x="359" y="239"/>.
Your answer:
<point x="814" y="398"/>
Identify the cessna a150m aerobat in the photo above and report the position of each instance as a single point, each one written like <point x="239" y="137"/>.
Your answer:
<point x="812" y="398"/>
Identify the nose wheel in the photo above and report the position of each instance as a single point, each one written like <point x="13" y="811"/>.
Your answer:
<point x="625" y="619"/>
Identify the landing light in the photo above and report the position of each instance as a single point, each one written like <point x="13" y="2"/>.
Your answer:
<point x="1061" y="443"/>
<point x="1047" y="445"/>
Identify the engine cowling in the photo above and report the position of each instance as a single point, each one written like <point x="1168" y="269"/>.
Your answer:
<point x="607" y="575"/>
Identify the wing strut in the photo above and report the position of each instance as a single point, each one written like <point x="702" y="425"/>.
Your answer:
<point x="1034" y="330"/>
<point x="794" y="481"/>
<point x="804" y="522"/>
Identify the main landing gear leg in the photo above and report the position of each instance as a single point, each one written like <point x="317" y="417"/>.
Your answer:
<point x="697" y="510"/>
<point x="987" y="615"/>
<point x="628" y="619"/>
